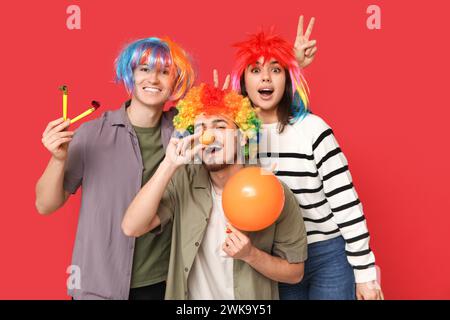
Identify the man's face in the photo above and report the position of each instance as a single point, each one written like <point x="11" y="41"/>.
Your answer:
<point x="265" y="82"/>
<point x="153" y="87"/>
<point x="223" y="150"/>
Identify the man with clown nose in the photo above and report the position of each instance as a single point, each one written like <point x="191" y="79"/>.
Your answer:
<point x="206" y="261"/>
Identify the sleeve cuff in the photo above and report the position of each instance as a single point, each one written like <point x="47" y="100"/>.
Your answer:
<point x="165" y="218"/>
<point x="70" y="185"/>
<point x="292" y="255"/>
<point x="365" y="275"/>
<point x="297" y="258"/>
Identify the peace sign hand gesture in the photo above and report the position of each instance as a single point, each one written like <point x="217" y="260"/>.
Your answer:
<point x="304" y="48"/>
<point x="226" y="84"/>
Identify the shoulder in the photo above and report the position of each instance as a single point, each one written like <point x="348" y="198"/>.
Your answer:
<point x="88" y="131"/>
<point x="312" y="123"/>
<point x="191" y="174"/>
<point x="289" y="197"/>
<point x="291" y="206"/>
<point x="311" y="127"/>
<point x="170" y="113"/>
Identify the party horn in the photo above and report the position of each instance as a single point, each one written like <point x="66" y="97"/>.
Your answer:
<point x="65" y="91"/>
<point x="94" y="106"/>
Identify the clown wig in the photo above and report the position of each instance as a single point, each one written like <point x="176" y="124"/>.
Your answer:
<point x="207" y="100"/>
<point x="269" y="45"/>
<point x="156" y="54"/>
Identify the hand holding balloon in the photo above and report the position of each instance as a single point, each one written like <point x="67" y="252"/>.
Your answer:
<point x="237" y="245"/>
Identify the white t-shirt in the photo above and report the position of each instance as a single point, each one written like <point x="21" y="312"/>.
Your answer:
<point x="211" y="276"/>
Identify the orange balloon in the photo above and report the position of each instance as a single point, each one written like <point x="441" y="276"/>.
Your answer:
<point x="252" y="199"/>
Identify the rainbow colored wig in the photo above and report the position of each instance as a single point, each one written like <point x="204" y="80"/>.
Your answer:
<point x="155" y="53"/>
<point x="269" y="45"/>
<point x="207" y="100"/>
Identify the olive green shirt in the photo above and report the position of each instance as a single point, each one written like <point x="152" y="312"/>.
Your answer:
<point x="187" y="202"/>
<point x="151" y="253"/>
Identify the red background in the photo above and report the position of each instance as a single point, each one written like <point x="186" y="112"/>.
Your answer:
<point x="383" y="92"/>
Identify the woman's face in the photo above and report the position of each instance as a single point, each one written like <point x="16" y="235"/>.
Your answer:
<point x="265" y="82"/>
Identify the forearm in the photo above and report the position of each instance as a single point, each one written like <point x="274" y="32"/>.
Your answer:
<point x="143" y="208"/>
<point x="50" y="193"/>
<point x="345" y="204"/>
<point x="275" y="268"/>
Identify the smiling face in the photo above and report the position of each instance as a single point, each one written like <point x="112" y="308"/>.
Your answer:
<point x="265" y="83"/>
<point x="153" y="87"/>
<point x="223" y="150"/>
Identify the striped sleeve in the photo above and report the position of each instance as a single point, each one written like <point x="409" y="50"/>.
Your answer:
<point x="346" y="208"/>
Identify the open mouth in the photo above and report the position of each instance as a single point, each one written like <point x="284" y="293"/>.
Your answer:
<point x="211" y="150"/>
<point x="152" y="89"/>
<point x="266" y="93"/>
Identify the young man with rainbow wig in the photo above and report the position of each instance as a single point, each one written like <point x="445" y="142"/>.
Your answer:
<point x="208" y="263"/>
<point x="307" y="157"/>
<point x="111" y="157"/>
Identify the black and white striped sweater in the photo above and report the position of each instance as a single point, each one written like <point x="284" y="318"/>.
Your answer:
<point x="308" y="159"/>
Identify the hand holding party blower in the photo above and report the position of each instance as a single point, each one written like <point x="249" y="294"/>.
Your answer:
<point x="94" y="106"/>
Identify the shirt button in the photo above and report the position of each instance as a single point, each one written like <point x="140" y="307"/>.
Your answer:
<point x="197" y="244"/>
<point x="186" y="269"/>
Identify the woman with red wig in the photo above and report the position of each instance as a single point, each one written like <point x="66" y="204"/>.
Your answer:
<point x="303" y="150"/>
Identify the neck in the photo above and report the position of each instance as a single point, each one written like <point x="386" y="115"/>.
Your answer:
<point x="220" y="178"/>
<point x="142" y="115"/>
<point x="268" y="116"/>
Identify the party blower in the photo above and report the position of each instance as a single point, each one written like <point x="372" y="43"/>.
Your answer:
<point x="65" y="91"/>
<point x="94" y="106"/>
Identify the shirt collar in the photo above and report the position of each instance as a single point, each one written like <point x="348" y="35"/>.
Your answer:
<point x="119" y="117"/>
<point x="201" y="179"/>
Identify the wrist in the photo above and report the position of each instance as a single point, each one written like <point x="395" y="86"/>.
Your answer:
<point x="252" y="255"/>
<point x="168" y="166"/>
<point x="373" y="284"/>
<point x="58" y="161"/>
